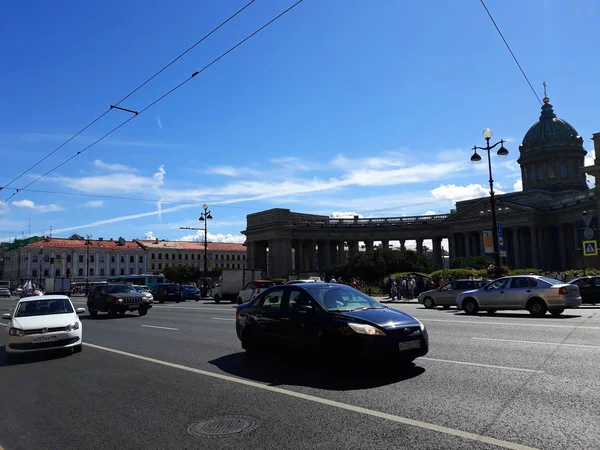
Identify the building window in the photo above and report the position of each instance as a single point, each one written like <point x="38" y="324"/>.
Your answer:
<point x="122" y="260"/>
<point x="68" y="258"/>
<point x="46" y="273"/>
<point x="239" y="256"/>
<point x="166" y="265"/>
<point x="238" y="265"/>
<point x="227" y="257"/>
<point x="122" y="271"/>
<point x="540" y="174"/>
<point x="57" y="273"/>
<point x="112" y="259"/>
<point x="141" y="259"/>
<point x="563" y="171"/>
<point x="92" y="258"/>
<point x="244" y="257"/>
<point x="222" y="256"/>
<point x="153" y="256"/>
<point x="141" y="272"/>
<point x="152" y="266"/>
<point x="210" y="256"/>
<point x="101" y="272"/>
<point x="131" y="259"/>
<point x="131" y="271"/>
<point x="80" y="272"/>
<point x="80" y="258"/>
<point x="186" y="256"/>
<point x="173" y="255"/>
<point x="159" y="266"/>
<point x="193" y="256"/>
<point x="102" y="259"/>
<point x="160" y="256"/>
<point x="228" y="265"/>
<point x="551" y="172"/>
<point x="34" y="258"/>
<point x="167" y="256"/>
<point x="91" y="272"/>
<point x="34" y="273"/>
<point x="572" y="171"/>
<point x="112" y="272"/>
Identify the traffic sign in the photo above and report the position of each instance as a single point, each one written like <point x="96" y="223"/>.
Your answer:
<point x="590" y="248"/>
<point x="503" y="254"/>
<point x="500" y="231"/>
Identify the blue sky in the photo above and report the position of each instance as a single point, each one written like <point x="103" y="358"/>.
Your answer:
<point x="341" y="106"/>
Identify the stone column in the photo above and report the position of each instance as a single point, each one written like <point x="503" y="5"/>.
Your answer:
<point x="340" y="252"/>
<point x="385" y="244"/>
<point x="333" y="252"/>
<point x="562" y="248"/>
<point x="369" y="245"/>
<point x="481" y="243"/>
<point x="578" y="246"/>
<point x="403" y="245"/>
<point x="298" y="266"/>
<point x="420" y="247"/>
<point x="250" y="251"/>
<point x="534" y="248"/>
<point x="352" y="247"/>
<point x="467" y="238"/>
<point x="437" y="252"/>
<point x="314" y="264"/>
<point x="326" y="253"/>
<point x="542" y="253"/>
<point x="516" y="246"/>
<point x="280" y="255"/>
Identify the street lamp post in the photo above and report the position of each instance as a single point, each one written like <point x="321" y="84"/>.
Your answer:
<point x="87" y="261"/>
<point x="487" y="134"/>
<point x="204" y="217"/>
<point x="41" y="259"/>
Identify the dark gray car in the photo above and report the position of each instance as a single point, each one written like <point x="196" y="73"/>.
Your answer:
<point x="445" y="296"/>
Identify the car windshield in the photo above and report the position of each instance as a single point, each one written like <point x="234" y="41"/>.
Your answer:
<point x="116" y="288"/>
<point x="342" y="298"/>
<point x="44" y="307"/>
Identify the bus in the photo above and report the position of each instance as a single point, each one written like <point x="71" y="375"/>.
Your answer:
<point x="141" y="280"/>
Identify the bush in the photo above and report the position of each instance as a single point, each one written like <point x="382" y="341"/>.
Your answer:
<point x="457" y="273"/>
<point x="279" y="281"/>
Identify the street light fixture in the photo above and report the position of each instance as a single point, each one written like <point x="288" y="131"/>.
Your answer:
<point x="502" y="152"/>
<point x="205" y="217"/>
<point x="41" y="259"/>
<point x="87" y="261"/>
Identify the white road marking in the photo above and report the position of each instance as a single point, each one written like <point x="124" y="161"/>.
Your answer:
<point x="162" y="328"/>
<point x="4" y="324"/>
<point x="221" y="318"/>
<point x="489" y="366"/>
<point x="511" y="324"/>
<point x="193" y="309"/>
<point x="537" y="342"/>
<point x="312" y="398"/>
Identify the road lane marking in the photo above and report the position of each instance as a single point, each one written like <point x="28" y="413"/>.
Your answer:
<point x="162" y="328"/>
<point x="489" y="366"/>
<point x="221" y="318"/>
<point x="4" y="324"/>
<point x="313" y="398"/>
<point x="537" y="342"/>
<point x="485" y="322"/>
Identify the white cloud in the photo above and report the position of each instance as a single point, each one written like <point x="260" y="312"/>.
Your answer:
<point x="28" y="204"/>
<point x="518" y="186"/>
<point x="226" y="171"/>
<point x="589" y="159"/>
<point x="345" y="215"/>
<point x="228" y="238"/>
<point x="112" y="167"/>
<point x="94" y="204"/>
<point x="392" y="159"/>
<point x="429" y="213"/>
<point x="454" y="193"/>
<point x="292" y="162"/>
<point x="159" y="122"/>
<point x="149" y="236"/>
<point x="39" y="137"/>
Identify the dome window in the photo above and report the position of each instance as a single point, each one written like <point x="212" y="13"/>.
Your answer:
<point x="551" y="172"/>
<point x="540" y="173"/>
<point x="563" y="171"/>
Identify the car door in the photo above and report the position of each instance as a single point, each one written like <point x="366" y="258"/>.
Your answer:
<point x="492" y="296"/>
<point x="446" y="295"/>
<point x="268" y="313"/>
<point x="518" y="292"/>
<point x="246" y="293"/>
<point x="301" y="319"/>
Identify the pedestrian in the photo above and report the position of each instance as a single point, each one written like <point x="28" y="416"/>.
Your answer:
<point x="411" y="288"/>
<point x="403" y="288"/>
<point x="332" y="280"/>
<point x="394" y="291"/>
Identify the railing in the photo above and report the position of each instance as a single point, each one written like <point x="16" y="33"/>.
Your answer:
<point x="307" y="221"/>
<point x="571" y="198"/>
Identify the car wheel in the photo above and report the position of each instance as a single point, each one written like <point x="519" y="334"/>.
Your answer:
<point x="161" y="301"/>
<point x="143" y="311"/>
<point x="93" y="312"/>
<point x="77" y="348"/>
<point x="428" y="303"/>
<point x="446" y="306"/>
<point x="537" y="308"/>
<point x="122" y="312"/>
<point x="197" y="299"/>
<point x="557" y="312"/>
<point x="217" y="299"/>
<point x="491" y="311"/>
<point x="470" y="306"/>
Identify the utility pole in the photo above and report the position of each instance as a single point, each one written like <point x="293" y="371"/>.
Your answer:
<point x="204" y="217"/>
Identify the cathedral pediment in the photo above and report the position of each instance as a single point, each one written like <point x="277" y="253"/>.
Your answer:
<point x="482" y="209"/>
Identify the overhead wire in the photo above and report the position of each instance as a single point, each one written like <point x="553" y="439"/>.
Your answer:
<point x="173" y="61"/>
<point x="510" y="50"/>
<point x="169" y="92"/>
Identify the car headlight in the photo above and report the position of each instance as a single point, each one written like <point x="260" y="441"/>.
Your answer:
<point x="16" y="332"/>
<point x="421" y="326"/>
<point x="73" y="326"/>
<point x="361" y="328"/>
<point x="119" y="300"/>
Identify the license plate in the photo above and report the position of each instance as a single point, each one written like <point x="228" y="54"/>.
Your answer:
<point x="409" y="345"/>
<point x="53" y="337"/>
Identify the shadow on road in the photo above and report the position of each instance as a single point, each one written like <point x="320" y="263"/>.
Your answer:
<point x="516" y="315"/>
<point x="307" y="370"/>
<point x="109" y="317"/>
<point x="34" y="357"/>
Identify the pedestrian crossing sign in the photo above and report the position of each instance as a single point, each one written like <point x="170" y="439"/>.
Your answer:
<point x="590" y="248"/>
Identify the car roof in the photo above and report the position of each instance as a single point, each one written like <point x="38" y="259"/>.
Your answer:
<point x="44" y="297"/>
<point x="264" y="281"/>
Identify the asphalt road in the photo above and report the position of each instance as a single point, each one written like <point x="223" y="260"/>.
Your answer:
<point x="501" y="381"/>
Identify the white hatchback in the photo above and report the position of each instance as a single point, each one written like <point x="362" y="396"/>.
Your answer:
<point x="44" y="322"/>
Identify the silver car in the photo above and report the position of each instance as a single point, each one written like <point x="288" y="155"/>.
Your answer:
<point x="536" y="294"/>
<point x="445" y="296"/>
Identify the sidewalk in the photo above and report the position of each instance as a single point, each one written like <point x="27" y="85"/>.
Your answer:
<point x="384" y="299"/>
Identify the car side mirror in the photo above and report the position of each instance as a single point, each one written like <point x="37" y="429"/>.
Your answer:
<point x="7" y="316"/>
<point x="306" y="309"/>
<point x="80" y="310"/>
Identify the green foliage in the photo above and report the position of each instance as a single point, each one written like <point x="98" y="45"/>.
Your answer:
<point x="457" y="273"/>
<point x="471" y="262"/>
<point x="182" y="274"/>
<point x="279" y="280"/>
<point x="374" y="267"/>
<point x="525" y="271"/>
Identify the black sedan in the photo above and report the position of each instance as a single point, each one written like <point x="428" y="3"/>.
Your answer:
<point x="589" y="288"/>
<point x="333" y="319"/>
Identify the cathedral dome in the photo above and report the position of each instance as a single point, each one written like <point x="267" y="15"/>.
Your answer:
<point x="550" y="127"/>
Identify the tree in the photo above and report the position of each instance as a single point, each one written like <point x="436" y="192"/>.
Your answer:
<point x="182" y="274"/>
<point x="471" y="262"/>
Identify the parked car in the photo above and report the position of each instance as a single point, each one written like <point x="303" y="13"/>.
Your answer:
<point x="589" y="288"/>
<point x="301" y="281"/>
<point x="445" y="296"/>
<point x="40" y="323"/>
<point x="252" y="289"/>
<point x="536" y="294"/>
<point x="167" y="292"/>
<point x="190" y="292"/>
<point x="4" y="292"/>
<point x="334" y="319"/>
<point x="144" y="291"/>
<point x="116" y="299"/>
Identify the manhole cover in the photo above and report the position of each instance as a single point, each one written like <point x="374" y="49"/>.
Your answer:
<point x="223" y="426"/>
